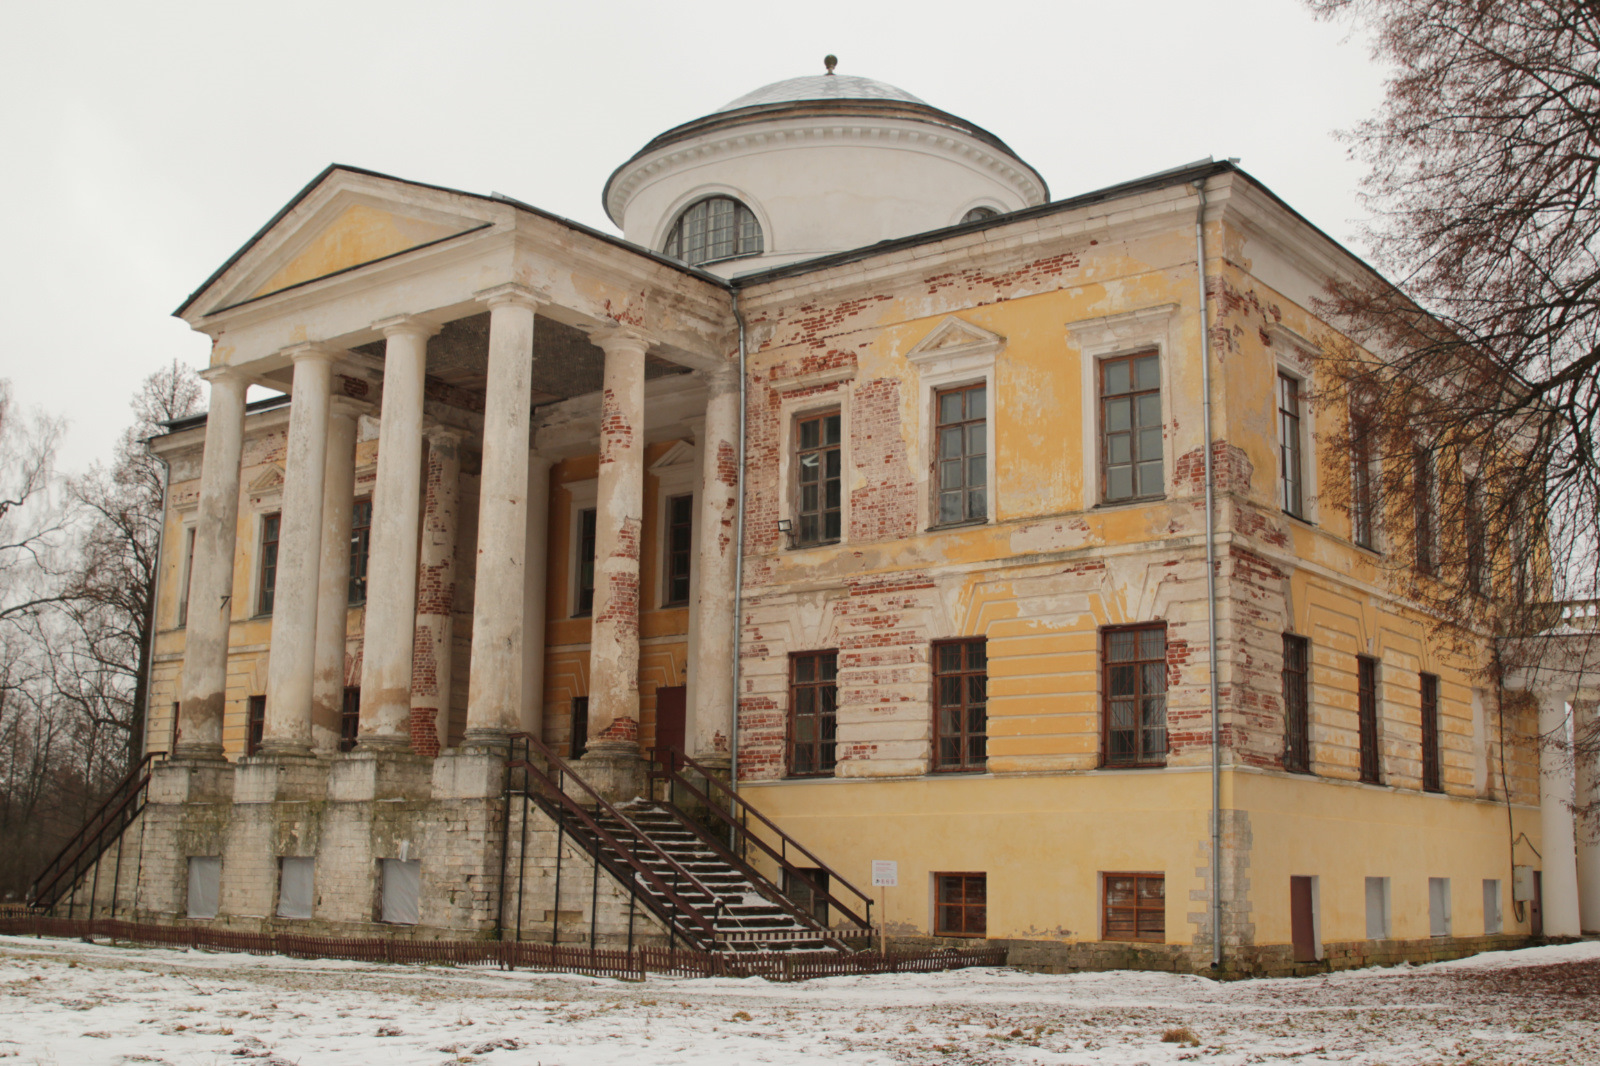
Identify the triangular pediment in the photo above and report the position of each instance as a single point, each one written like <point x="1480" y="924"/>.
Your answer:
<point x="268" y="481"/>
<point x="955" y="338"/>
<point x="344" y="220"/>
<point x="681" y="453"/>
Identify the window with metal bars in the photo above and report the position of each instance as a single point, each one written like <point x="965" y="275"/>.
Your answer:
<point x="813" y="713"/>
<point x="818" y="482"/>
<point x="1367" y="714"/>
<point x="360" y="544"/>
<point x="1135" y="695"/>
<point x="1296" y="704"/>
<point x="269" y="563"/>
<point x="1135" y="907"/>
<point x="1432" y="769"/>
<point x="1130" y="427"/>
<point x="350" y="718"/>
<point x="1290" y="474"/>
<point x="718" y="227"/>
<point x="585" y="563"/>
<point x="960" y="711"/>
<point x="961" y="469"/>
<point x="680" y="538"/>
<point x="961" y="904"/>
<point x="255" y="726"/>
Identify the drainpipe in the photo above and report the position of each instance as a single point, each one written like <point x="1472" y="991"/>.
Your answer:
<point x="1211" y="581"/>
<point x="738" y="560"/>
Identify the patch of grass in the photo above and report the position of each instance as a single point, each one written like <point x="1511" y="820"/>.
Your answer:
<point x="1181" y="1035"/>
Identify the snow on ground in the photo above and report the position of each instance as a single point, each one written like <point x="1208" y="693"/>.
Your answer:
<point x="64" y="1002"/>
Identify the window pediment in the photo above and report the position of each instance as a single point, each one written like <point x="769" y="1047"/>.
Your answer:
<point x="955" y="346"/>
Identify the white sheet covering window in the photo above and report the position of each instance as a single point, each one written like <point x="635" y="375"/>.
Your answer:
<point x="402" y="887"/>
<point x="1377" y="908"/>
<point x="205" y="885"/>
<point x="1439" y="906"/>
<point x="295" y="887"/>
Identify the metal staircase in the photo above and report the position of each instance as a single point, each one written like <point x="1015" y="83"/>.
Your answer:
<point x="104" y="829"/>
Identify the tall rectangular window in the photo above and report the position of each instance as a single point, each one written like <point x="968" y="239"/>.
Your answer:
<point x="819" y="483"/>
<point x="269" y="563"/>
<point x="1130" y="427"/>
<point x="1432" y="772"/>
<point x="1424" y="531"/>
<point x="1135" y="686"/>
<point x="360" y="544"/>
<point x="585" y="562"/>
<point x="1472" y="536"/>
<point x="1377" y="908"/>
<point x="813" y="722"/>
<point x="961" y="465"/>
<point x="1135" y="907"/>
<point x="350" y="718"/>
<point x="679" y="540"/>
<point x="960" y="697"/>
<point x="1296" y="704"/>
<point x="1439" y="917"/>
<point x="188" y="576"/>
<point x="1290" y="475"/>
<point x="961" y="904"/>
<point x="1367" y="714"/>
<point x="205" y="885"/>
<point x="1363" y="483"/>
<point x="296" y="887"/>
<point x="1493" y="912"/>
<point x="402" y="891"/>
<point x="255" y="724"/>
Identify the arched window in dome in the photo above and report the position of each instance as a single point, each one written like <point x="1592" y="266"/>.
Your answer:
<point x="718" y="227"/>
<point x="978" y="214"/>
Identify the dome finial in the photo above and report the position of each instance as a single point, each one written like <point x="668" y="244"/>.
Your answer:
<point x="830" y="62"/>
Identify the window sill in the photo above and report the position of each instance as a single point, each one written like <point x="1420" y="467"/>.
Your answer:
<point x="960" y="769"/>
<point x="822" y="775"/>
<point x="969" y="523"/>
<point x="813" y="544"/>
<point x="1133" y="940"/>
<point x="1302" y="519"/>
<point x="1132" y="501"/>
<point x="961" y="936"/>
<point x="1133" y="766"/>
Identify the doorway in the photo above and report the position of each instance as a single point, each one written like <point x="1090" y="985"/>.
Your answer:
<point x="671" y="705"/>
<point x="1303" y="918"/>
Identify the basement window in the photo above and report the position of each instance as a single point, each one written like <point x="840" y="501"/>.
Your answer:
<point x="402" y="891"/>
<point x="295" y="887"/>
<point x="1438" y="906"/>
<point x="1377" y="908"/>
<point x="961" y="904"/>
<point x="205" y="885"/>
<point x="1136" y="907"/>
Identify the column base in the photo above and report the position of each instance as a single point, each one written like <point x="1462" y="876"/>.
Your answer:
<point x="191" y="779"/>
<point x="270" y="776"/>
<point x="486" y="740"/>
<point x="613" y="768"/>
<point x="378" y="773"/>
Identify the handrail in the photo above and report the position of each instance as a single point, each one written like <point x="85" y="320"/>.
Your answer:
<point x="760" y="883"/>
<point x="593" y="825"/>
<point x="666" y="757"/>
<point x="95" y="827"/>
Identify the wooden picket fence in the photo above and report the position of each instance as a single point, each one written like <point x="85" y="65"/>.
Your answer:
<point x="506" y="954"/>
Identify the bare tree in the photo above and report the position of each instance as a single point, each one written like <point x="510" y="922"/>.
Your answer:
<point x="1468" y="391"/>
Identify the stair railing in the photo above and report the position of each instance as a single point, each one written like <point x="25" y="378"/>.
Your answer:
<point x="735" y="813"/>
<point x="523" y="746"/>
<point x="111" y="817"/>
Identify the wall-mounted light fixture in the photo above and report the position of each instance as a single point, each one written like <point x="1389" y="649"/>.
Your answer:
<point x="786" y="527"/>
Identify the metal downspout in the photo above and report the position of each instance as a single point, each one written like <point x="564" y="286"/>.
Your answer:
<point x="1211" y="580"/>
<point x="738" y="561"/>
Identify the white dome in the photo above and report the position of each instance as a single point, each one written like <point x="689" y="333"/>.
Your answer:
<point x="821" y="87"/>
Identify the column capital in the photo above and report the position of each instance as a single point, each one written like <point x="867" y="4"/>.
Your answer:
<point x="513" y="294"/>
<point x="418" y="325"/>
<point x="348" y="407"/>
<point x="608" y="336"/>
<point x="719" y="378"/>
<point x="312" y="353"/>
<point x="439" y="433"/>
<point x="224" y="374"/>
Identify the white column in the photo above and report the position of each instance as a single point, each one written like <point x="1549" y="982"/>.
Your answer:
<point x="1556" y="847"/>
<point x="287" y="728"/>
<point x="436" y="590"/>
<point x="1586" y="734"/>
<point x="392" y="549"/>
<point x="712" y="639"/>
<point x="614" y="639"/>
<point x="205" y="653"/>
<point x="535" y="573"/>
<point x="494" y="690"/>
<point x="333" y="576"/>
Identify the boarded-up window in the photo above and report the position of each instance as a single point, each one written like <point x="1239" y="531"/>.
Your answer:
<point x="294" y="887"/>
<point x="1135" y="688"/>
<point x="1432" y="773"/>
<point x="1296" y="704"/>
<point x="1493" y="922"/>
<point x="205" y="885"/>
<point x="1136" y="907"/>
<point x="813" y="713"/>
<point x="1439" y="906"/>
<point x="1377" y="908"/>
<point x="961" y="702"/>
<point x="962" y="904"/>
<point x="402" y="891"/>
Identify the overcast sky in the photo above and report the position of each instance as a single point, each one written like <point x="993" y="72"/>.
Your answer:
<point x="144" y="142"/>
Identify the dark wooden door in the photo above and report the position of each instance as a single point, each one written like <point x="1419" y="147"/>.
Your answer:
<point x="1302" y="919"/>
<point x="671" y="707"/>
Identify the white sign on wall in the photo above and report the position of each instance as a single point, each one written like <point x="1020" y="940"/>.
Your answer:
<point x="885" y="873"/>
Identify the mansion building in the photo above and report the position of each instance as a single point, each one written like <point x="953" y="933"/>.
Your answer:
<point x="953" y="525"/>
